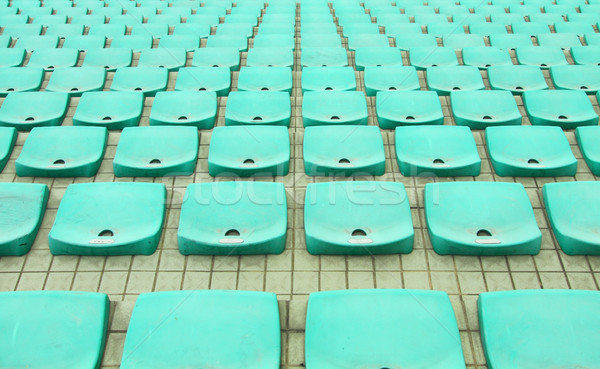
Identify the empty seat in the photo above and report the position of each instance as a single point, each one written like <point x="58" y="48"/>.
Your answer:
<point x="136" y="43"/>
<point x="484" y="108"/>
<point x="109" y="59"/>
<point x="560" y="40"/>
<point x="171" y="59"/>
<point x="31" y="43"/>
<point x="328" y="79"/>
<point x="231" y="29"/>
<point x="426" y="56"/>
<point x="148" y="80"/>
<point x="588" y="138"/>
<point x="367" y="40"/>
<point x="586" y="55"/>
<point x="34" y="320"/>
<point x="576" y="77"/>
<point x="394" y="30"/>
<point x="406" y="41"/>
<point x="187" y="42"/>
<point x="258" y="107"/>
<point x="62" y="152"/>
<point x="156" y="151"/>
<point x="197" y="31"/>
<point x="441" y="30"/>
<point x="571" y="207"/>
<point x="270" y="57"/>
<point x="516" y="78"/>
<point x="217" y="57"/>
<point x="324" y="57"/>
<point x="487" y="29"/>
<point x="22" y="210"/>
<point x="51" y="59"/>
<point x="476" y="218"/>
<point x="21" y="30"/>
<point x="84" y="43"/>
<point x="187" y="108"/>
<point x="110" y="109"/>
<point x="128" y="19"/>
<point x="563" y="108"/>
<point x="436" y="151"/>
<point x="390" y="78"/>
<point x="343" y="150"/>
<point x="384" y="328"/>
<point x="334" y="107"/>
<point x="548" y="328"/>
<point x="77" y="80"/>
<point x="26" y="110"/>
<point x="265" y="79"/>
<point x="113" y="218"/>
<point x="320" y="40"/>
<point x="236" y="41"/>
<point x="530" y="151"/>
<point x="577" y="28"/>
<point x="16" y="79"/>
<point x="275" y="41"/>
<point x="12" y="57"/>
<point x="197" y="328"/>
<point x="530" y="29"/>
<point x="510" y="41"/>
<point x="458" y="41"/>
<point x="8" y="137"/>
<point x="216" y="79"/>
<point x="154" y="30"/>
<point x="377" y="57"/>
<point x="396" y="108"/>
<point x="107" y="30"/>
<point x="541" y="56"/>
<point x="443" y="80"/>
<point x="484" y="57"/>
<point x="88" y="19"/>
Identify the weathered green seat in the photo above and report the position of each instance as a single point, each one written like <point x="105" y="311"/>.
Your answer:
<point x="217" y="57"/>
<point x="484" y="57"/>
<point x="265" y="79"/>
<point x="184" y="108"/>
<point x="171" y="59"/>
<point x="77" y="80"/>
<point x="444" y="80"/>
<point x="148" y="80"/>
<point x="51" y="59"/>
<point x="110" y="109"/>
<point x="588" y="139"/>
<point x="396" y="108"/>
<point x="576" y="77"/>
<point x="258" y="107"/>
<point x="425" y="57"/>
<point x="484" y="108"/>
<point x="516" y="78"/>
<point x="109" y="59"/>
<point x="26" y="110"/>
<point x="328" y="79"/>
<point x="390" y="78"/>
<point x="324" y="57"/>
<point x="541" y="56"/>
<point x="334" y="107"/>
<point x="17" y="79"/>
<point x="563" y="108"/>
<point x="12" y="57"/>
<point x="215" y="79"/>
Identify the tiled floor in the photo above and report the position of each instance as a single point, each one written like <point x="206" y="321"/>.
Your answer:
<point x="295" y="273"/>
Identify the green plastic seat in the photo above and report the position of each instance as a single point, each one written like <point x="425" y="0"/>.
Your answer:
<point x="184" y="108"/>
<point x="334" y="107"/>
<point x="393" y="29"/>
<point x="12" y="57"/>
<point x="64" y="30"/>
<point x="26" y="110"/>
<point x="577" y="28"/>
<point x="446" y="79"/>
<point x="113" y="218"/>
<point x="406" y="41"/>
<point x="426" y="56"/>
<point x="77" y="80"/>
<point x="236" y="41"/>
<point x="328" y="79"/>
<point x="31" y="43"/>
<point x="217" y="57"/>
<point x="367" y="40"/>
<point x="8" y="137"/>
<point x="510" y="41"/>
<point x="195" y="329"/>
<point x="258" y="107"/>
<point x="62" y="152"/>
<point x="436" y="151"/>
<point x="445" y="29"/>
<point x="154" y="30"/>
<point x="136" y="43"/>
<point x="383" y="328"/>
<point x="530" y="29"/>
<point x="328" y="40"/>
<point x="32" y="321"/>
<point x="458" y="41"/>
<point x="530" y="151"/>
<point x="216" y="79"/>
<point x="576" y="77"/>
<point x="51" y="59"/>
<point x="198" y="31"/>
<point x="588" y="138"/>
<point x="381" y="221"/>
<point x="548" y="328"/>
<point x="484" y="108"/>
<point x="170" y="20"/>
<point x="265" y="79"/>
<point x="202" y="18"/>
<point x="487" y="29"/>
<point x="84" y="43"/>
<point x="110" y="109"/>
<point x="148" y="80"/>
<point x="563" y="108"/>
<point x="377" y="57"/>
<point x="156" y="151"/>
<point x="516" y="78"/>
<point x="390" y="78"/>
<point x="571" y="207"/>
<point x="89" y="19"/>
<point x="13" y="19"/>
<point x="236" y="151"/>
<point x="17" y="79"/>
<point x="353" y="29"/>
<point x="110" y="59"/>
<point x="231" y="29"/>
<point x="21" y="30"/>
<point x="187" y="42"/>
<point x="346" y="150"/>
<point x="562" y="40"/>
<point x="324" y="57"/>
<point x="547" y="18"/>
<point x="128" y="20"/>
<point x="171" y="59"/>
<point x="22" y="210"/>
<point x="484" y="57"/>
<point x="481" y="218"/>
<point x="586" y="55"/>
<point x="591" y="39"/>
<point x="395" y="108"/>
<point x="270" y="57"/>
<point x="275" y="41"/>
<point x="541" y="56"/>
<point x="107" y="30"/>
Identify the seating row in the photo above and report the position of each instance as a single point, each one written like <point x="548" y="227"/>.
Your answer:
<point x="387" y="328"/>
<point x="340" y="218"/>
